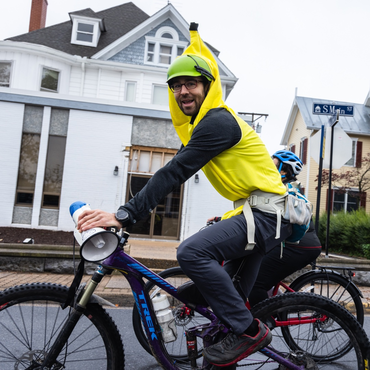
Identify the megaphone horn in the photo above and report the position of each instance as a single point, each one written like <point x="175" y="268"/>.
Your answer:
<point x="96" y="244"/>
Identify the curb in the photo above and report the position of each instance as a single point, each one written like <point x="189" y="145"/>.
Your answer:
<point x="125" y="299"/>
<point x="59" y="258"/>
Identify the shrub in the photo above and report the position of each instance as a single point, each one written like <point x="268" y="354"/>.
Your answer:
<point x="349" y="233"/>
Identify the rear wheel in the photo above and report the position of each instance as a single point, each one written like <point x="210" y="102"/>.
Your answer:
<point x="31" y="318"/>
<point x="334" y="286"/>
<point x="313" y="329"/>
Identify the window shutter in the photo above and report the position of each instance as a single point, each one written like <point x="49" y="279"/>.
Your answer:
<point x="292" y="149"/>
<point x="327" y="200"/>
<point x="363" y="199"/>
<point x="303" y="150"/>
<point x="359" y="154"/>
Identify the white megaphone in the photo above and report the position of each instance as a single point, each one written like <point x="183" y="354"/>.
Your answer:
<point x="96" y="244"/>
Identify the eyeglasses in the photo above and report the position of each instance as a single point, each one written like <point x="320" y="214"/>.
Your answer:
<point x="190" y="85"/>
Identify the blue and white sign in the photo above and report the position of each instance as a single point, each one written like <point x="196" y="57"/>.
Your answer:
<point x="344" y="110"/>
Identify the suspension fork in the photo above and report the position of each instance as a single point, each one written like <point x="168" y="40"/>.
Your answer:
<point x="73" y="319"/>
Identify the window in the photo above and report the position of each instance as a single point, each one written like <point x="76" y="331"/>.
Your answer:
<point x="30" y="145"/>
<point x="55" y="158"/>
<point x="356" y="158"/>
<point x="85" y="32"/>
<point x="54" y="171"/>
<point x="165" y="52"/>
<point x="160" y="95"/>
<point x="130" y="91"/>
<point x="292" y="148"/>
<point x="147" y="160"/>
<point x="49" y="80"/>
<point x="5" y="68"/>
<point x="150" y="54"/>
<point x="346" y="199"/>
<point x="164" y="47"/>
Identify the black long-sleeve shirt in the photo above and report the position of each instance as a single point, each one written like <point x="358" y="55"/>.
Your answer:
<point x="216" y="132"/>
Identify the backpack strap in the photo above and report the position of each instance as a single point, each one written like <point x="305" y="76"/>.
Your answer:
<point x="266" y="202"/>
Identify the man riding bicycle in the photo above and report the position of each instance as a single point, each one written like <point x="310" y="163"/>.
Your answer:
<point x="238" y="165"/>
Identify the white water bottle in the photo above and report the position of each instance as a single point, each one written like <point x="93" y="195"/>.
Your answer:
<point x="165" y="317"/>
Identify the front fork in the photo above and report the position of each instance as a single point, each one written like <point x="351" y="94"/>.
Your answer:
<point x="74" y="316"/>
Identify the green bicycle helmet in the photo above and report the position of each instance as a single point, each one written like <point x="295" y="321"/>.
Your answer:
<point x="189" y="65"/>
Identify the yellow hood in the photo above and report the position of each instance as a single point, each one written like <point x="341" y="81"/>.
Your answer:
<point x="213" y="98"/>
<point x="245" y="167"/>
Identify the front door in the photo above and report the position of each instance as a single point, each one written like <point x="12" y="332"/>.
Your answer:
<point x="164" y="221"/>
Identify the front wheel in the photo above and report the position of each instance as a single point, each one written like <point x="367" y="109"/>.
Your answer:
<point x="31" y="318"/>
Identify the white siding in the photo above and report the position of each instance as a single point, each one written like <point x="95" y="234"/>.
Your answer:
<point x="201" y="201"/>
<point x="79" y="77"/>
<point x="76" y="80"/>
<point x="109" y="86"/>
<point x="95" y="145"/>
<point x="27" y="69"/>
<point x="11" y="124"/>
<point x="91" y="82"/>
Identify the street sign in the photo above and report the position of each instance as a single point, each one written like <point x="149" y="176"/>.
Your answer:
<point x="329" y="109"/>
<point x="342" y="147"/>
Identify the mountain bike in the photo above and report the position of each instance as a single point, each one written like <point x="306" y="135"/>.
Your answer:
<point x="336" y="286"/>
<point x="50" y="326"/>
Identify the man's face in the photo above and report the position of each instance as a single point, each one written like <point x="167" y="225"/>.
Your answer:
<point x="189" y="98"/>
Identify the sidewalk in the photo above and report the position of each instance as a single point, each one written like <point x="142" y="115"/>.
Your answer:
<point x="158" y="255"/>
<point x="115" y="288"/>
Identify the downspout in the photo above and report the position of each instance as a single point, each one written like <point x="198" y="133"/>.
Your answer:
<point x="83" y="68"/>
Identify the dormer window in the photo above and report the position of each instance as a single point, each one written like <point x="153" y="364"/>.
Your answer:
<point x="164" y="47"/>
<point x="85" y="30"/>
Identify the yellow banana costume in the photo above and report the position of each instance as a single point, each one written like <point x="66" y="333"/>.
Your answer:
<point x="241" y="169"/>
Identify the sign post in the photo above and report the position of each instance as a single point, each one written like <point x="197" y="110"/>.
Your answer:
<point x="333" y="120"/>
<point x="321" y="158"/>
<point x="330" y="157"/>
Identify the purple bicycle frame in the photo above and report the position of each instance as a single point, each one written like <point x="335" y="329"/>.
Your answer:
<point x="134" y="271"/>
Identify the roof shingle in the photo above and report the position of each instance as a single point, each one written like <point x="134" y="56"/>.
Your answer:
<point x="117" y="20"/>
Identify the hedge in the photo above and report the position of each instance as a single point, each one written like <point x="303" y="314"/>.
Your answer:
<point x="349" y="233"/>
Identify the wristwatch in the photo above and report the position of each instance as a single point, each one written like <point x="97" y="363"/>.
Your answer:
<point x="122" y="217"/>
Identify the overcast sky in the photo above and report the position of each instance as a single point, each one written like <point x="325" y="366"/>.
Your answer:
<point x="319" y="47"/>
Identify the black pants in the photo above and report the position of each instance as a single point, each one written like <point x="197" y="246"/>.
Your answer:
<point x="201" y="255"/>
<point x="274" y="269"/>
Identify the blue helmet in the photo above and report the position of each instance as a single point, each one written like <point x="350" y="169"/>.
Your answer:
<point x="288" y="157"/>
